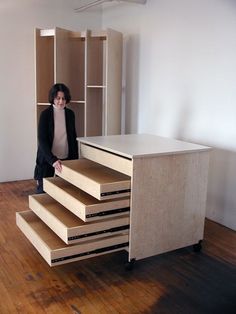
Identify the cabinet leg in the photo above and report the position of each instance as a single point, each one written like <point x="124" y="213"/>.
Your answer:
<point x="129" y="265"/>
<point x="198" y="246"/>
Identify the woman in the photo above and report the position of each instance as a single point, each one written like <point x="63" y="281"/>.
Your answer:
<point x="56" y="135"/>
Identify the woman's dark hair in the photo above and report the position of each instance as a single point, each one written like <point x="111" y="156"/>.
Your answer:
<point x="59" y="87"/>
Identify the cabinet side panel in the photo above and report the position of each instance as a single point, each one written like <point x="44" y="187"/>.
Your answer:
<point x="39" y="109"/>
<point x="62" y="56"/>
<point x="69" y="69"/>
<point x="79" y="117"/>
<point x="95" y="82"/>
<point x="113" y="83"/>
<point x="168" y="203"/>
<point x="94" y="61"/>
<point x="94" y="112"/>
<point x="44" y="53"/>
<point x="76" y="79"/>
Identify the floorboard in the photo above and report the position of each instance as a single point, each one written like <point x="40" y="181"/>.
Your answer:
<point x="181" y="281"/>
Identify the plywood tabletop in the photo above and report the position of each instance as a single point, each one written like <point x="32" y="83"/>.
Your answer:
<point x="141" y="145"/>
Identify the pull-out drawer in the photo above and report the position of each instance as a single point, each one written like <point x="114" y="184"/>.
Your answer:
<point x="53" y="249"/>
<point x="70" y="228"/>
<point x="95" y="179"/>
<point x="83" y="205"/>
<point x="108" y="159"/>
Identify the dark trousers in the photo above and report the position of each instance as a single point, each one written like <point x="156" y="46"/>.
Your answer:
<point x="50" y="173"/>
<point x="39" y="188"/>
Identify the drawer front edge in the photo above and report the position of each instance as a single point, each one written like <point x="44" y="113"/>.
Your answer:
<point x="115" y="162"/>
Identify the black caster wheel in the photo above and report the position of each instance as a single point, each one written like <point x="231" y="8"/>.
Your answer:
<point x="129" y="265"/>
<point x="198" y="246"/>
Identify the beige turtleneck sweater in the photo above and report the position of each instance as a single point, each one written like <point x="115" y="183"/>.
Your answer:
<point x="60" y="143"/>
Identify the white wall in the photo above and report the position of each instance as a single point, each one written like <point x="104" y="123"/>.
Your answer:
<point x="180" y="82"/>
<point x="179" y="79"/>
<point x="18" y="19"/>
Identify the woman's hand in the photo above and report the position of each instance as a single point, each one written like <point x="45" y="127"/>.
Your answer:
<point x="57" y="165"/>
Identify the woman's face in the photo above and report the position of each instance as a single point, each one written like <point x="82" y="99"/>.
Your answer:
<point x="59" y="100"/>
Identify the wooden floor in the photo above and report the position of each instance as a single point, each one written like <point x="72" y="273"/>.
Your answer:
<point x="177" y="282"/>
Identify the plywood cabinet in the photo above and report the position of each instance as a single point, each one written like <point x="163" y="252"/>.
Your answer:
<point x="90" y="64"/>
<point x="141" y="193"/>
<point x="168" y="188"/>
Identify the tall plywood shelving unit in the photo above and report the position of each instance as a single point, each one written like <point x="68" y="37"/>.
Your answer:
<point x="90" y="64"/>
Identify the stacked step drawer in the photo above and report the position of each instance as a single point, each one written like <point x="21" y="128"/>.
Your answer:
<point x="84" y="213"/>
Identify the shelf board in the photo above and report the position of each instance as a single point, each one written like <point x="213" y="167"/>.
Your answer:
<point x="96" y="86"/>
<point x="72" y="101"/>
<point x="43" y="104"/>
<point x="77" y="101"/>
<point x="52" y="32"/>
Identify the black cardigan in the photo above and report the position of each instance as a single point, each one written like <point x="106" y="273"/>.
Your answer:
<point x="45" y="158"/>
